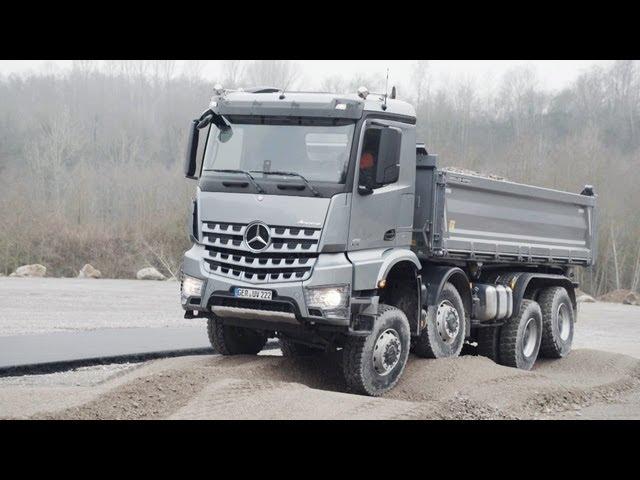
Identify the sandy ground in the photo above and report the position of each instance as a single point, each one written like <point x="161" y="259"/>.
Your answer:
<point x="599" y="379"/>
<point x="587" y="384"/>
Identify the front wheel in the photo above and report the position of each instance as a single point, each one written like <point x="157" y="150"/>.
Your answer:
<point x="372" y="365"/>
<point x="231" y="340"/>
<point x="445" y="331"/>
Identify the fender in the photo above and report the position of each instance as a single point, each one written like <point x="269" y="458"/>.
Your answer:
<point x="394" y="257"/>
<point x="371" y="266"/>
<point x="520" y="282"/>
<point x="434" y="279"/>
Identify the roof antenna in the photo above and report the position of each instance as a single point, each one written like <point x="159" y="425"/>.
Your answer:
<point x="386" y="90"/>
<point x="281" y="97"/>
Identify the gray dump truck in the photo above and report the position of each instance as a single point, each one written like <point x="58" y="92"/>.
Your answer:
<point x="318" y="219"/>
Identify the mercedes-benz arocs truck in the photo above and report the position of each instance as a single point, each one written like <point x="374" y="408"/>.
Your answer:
<point x="319" y="220"/>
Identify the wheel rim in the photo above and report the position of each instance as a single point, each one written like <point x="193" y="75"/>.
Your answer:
<point x="447" y="322"/>
<point x="386" y="352"/>
<point x="530" y="337"/>
<point x="564" y="322"/>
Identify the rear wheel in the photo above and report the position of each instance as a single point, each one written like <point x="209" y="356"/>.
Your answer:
<point x="231" y="340"/>
<point x="489" y="342"/>
<point x="557" y="322"/>
<point x="373" y="364"/>
<point x="444" y="333"/>
<point x="520" y="337"/>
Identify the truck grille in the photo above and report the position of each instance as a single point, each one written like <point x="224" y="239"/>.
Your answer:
<point x="290" y="256"/>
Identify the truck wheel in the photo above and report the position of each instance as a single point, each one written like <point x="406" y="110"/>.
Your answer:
<point x="489" y="342"/>
<point x="520" y="337"/>
<point x="557" y="322"/>
<point x="230" y="340"/>
<point x="373" y="364"/>
<point x="293" y="349"/>
<point x="445" y="331"/>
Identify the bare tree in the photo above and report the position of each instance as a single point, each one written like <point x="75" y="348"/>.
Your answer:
<point x="90" y="157"/>
<point x="420" y="80"/>
<point x="277" y="73"/>
<point x="232" y="73"/>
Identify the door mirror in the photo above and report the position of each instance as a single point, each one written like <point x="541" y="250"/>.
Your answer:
<point x="190" y="161"/>
<point x="388" y="165"/>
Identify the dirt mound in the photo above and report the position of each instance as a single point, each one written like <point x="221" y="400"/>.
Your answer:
<point x="621" y="296"/>
<point x="273" y="387"/>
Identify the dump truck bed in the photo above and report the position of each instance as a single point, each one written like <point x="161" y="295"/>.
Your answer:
<point x="467" y="217"/>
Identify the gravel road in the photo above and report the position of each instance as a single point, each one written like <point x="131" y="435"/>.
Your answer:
<point x="600" y="379"/>
<point x="43" y="305"/>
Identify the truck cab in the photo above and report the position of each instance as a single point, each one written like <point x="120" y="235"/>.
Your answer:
<point x="303" y="229"/>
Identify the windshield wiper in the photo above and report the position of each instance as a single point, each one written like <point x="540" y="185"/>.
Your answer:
<point x="244" y="172"/>
<point x="289" y="174"/>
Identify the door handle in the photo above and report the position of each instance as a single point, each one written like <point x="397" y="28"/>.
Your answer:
<point x="390" y="235"/>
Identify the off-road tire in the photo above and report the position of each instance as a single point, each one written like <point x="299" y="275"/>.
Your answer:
<point x="231" y="340"/>
<point x="550" y="300"/>
<point x="357" y="355"/>
<point x="512" y="333"/>
<point x="293" y="349"/>
<point x="429" y="344"/>
<point x="489" y="342"/>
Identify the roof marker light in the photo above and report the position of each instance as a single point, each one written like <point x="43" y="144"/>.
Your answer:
<point x="217" y="89"/>
<point x="341" y="106"/>
<point x="363" y="92"/>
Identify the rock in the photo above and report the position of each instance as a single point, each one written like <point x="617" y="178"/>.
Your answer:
<point x="89" y="272"/>
<point x="621" y="296"/>
<point x="35" y="270"/>
<point x="149" y="273"/>
<point x="584" y="298"/>
<point x="632" y="299"/>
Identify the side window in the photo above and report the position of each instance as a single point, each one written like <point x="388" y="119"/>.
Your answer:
<point x="369" y="158"/>
<point x="379" y="161"/>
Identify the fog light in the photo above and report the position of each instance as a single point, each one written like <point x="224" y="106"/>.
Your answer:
<point x="332" y="300"/>
<point x="191" y="287"/>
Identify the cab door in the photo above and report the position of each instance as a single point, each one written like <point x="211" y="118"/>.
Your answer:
<point x="382" y="205"/>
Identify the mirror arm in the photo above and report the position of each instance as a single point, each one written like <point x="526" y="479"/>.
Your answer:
<point x="365" y="190"/>
<point x="210" y="116"/>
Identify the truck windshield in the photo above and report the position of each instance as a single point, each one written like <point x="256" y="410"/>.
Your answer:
<point x="316" y="148"/>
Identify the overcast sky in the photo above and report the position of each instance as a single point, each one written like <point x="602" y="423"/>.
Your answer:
<point x="553" y="74"/>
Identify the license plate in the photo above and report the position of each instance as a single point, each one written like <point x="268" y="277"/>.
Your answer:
<point x="253" y="293"/>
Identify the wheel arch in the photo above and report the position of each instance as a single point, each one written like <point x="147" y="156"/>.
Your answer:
<point x="397" y="258"/>
<point x="435" y="277"/>
<point x="402" y="289"/>
<point x="371" y="266"/>
<point x="529" y="285"/>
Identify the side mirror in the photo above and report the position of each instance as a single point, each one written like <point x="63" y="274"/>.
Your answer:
<point x="388" y="165"/>
<point x="190" y="161"/>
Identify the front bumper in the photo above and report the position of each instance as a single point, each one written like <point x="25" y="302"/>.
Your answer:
<point x="288" y="305"/>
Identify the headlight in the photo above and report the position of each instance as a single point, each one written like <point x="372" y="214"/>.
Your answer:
<point x="191" y="287"/>
<point x="332" y="300"/>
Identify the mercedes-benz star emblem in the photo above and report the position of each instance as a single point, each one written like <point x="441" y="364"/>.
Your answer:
<point x="257" y="237"/>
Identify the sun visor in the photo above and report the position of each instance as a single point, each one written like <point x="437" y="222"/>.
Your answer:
<point x="272" y="105"/>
